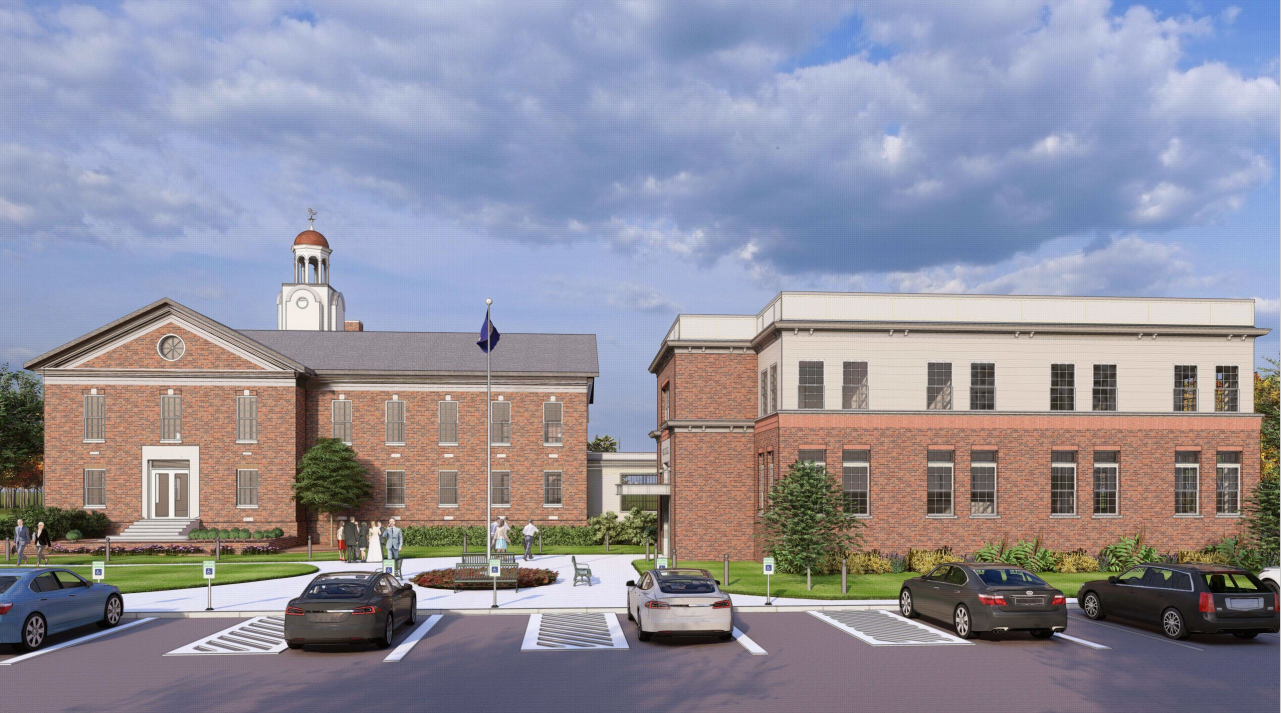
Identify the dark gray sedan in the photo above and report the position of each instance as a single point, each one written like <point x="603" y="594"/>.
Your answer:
<point x="350" y="607"/>
<point x="978" y="597"/>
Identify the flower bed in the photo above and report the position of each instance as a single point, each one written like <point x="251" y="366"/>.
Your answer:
<point x="526" y="577"/>
<point x="259" y="550"/>
<point x="174" y="550"/>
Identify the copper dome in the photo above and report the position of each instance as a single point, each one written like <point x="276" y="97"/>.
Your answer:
<point x="311" y="237"/>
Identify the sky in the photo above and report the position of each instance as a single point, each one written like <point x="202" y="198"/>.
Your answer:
<point x="599" y="167"/>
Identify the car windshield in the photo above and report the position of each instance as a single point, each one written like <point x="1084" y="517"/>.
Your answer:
<point x="686" y="585"/>
<point x="7" y="581"/>
<point x="1232" y="583"/>
<point x="337" y="588"/>
<point x="1011" y="577"/>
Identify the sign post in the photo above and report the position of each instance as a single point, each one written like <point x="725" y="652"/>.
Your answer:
<point x="769" y="570"/>
<point x="389" y="566"/>
<point x="660" y="563"/>
<point x="495" y="571"/>
<point x="99" y="571"/>
<point x="209" y="578"/>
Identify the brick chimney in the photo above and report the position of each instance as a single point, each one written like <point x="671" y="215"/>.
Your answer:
<point x="353" y="325"/>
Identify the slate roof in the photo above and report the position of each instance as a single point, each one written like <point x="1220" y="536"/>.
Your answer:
<point x="431" y="351"/>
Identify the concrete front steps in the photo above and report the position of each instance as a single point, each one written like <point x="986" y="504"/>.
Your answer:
<point x="157" y="531"/>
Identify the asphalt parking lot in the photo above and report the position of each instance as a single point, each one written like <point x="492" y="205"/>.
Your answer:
<point x="467" y="663"/>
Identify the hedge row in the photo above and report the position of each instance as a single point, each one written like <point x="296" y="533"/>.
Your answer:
<point x="452" y="535"/>
<point x="90" y="523"/>
<point x="235" y="533"/>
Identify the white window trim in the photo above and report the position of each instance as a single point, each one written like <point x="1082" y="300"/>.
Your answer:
<point x="457" y="417"/>
<point x="1076" y="488"/>
<point x="246" y="507"/>
<point x="952" y="481"/>
<point x="996" y="489"/>
<point x="868" y="464"/>
<point x="352" y="422"/>
<point x="1116" y="467"/>
<point x="1076" y="387"/>
<point x="1237" y="468"/>
<point x="404" y="487"/>
<point x="94" y="440"/>
<point x="404" y="424"/>
<point x="1116" y="395"/>
<point x="1199" y="401"/>
<point x="562" y="425"/>
<point x="490" y="435"/>
<point x="1195" y="491"/>
<point x="951" y="405"/>
<point x="93" y="507"/>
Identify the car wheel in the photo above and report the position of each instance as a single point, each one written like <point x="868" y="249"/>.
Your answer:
<point x="293" y="645"/>
<point x="389" y="632"/>
<point x="727" y="636"/>
<point x="905" y="605"/>
<point x="1042" y="633"/>
<point x="112" y="611"/>
<point x="34" y="631"/>
<point x="1172" y="624"/>
<point x="413" y="611"/>
<point x="1245" y="634"/>
<point x="1093" y="606"/>
<point x="1276" y="588"/>
<point x="640" y="629"/>
<point x="962" y="623"/>
<point x="630" y="616"/>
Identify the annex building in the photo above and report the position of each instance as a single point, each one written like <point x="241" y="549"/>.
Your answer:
<point x="167" y="420"/>
<point x="959" y="419"/>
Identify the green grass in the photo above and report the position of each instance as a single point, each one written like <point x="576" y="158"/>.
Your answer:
<point x="331" y="555"/>
<point x="746" y="578"/>
<point x="154" y="579"/>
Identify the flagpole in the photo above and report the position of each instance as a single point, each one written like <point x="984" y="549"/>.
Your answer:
<point x="489" y="438"/>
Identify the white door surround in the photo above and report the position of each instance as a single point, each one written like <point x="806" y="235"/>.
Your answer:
<point x="191" y="454"/>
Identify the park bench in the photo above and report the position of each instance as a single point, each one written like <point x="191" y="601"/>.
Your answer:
<point x="473" y="569"/>
<point x="582" y="573"/>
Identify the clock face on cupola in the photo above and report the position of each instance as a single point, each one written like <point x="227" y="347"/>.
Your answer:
<point x="310" y="302"/>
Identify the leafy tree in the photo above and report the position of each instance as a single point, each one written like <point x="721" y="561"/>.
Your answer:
<point x="1263" y="510"/>
<point x="21" y="429"/>
<point x="806" y="519"/>
<point x="602" y="444"/>
<point x="330" y="480"/>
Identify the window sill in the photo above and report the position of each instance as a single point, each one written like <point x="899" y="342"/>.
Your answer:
<point x="393" y="444"/>
<point x="496" y="505"/>
<point x="246" y="443"/>
<point x="985" y="517"/>
<point x="94" y="440"/>
<point x="1189" y="516"/>
<point x="1106" y="516"/>
<point x="246" y="507"/>
<point x="1228" y="515"/>
<point x="448" y="445"/>
<point x="444" y="505"/>
<point x="553" y="445"/>
<point x="394" y="506"/>
<point x="500" y="445"/>
<point x="940" y="517"/>
<point x="550" y="505"/>
<point x="1063" y="516"/>
<point x="164" y="441"/>
<point x="95" y="507"/>
<point x="859" y="517"/>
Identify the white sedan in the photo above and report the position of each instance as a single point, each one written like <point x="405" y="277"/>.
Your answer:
<point x="680" y="602"/>
<point x="1272" y="578"/>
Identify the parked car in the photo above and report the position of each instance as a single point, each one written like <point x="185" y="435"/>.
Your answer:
<point x="1184" y="599"/>
<point x="1271" y="578"/>
<point x="981" y="597"/>
<point x="679" y="602"/>
<point x="350" y="607"/>
<point x="36" y="603"/>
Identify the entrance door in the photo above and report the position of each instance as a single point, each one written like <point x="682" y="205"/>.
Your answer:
<point x="171" y="489"/>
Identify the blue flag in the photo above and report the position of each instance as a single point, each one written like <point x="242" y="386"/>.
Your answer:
<point x="488" y="330"/>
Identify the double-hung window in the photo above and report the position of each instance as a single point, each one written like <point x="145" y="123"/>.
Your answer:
<point x="1062" y="387"/>
<point x="341" y="410"/>
<point x="1227" y="491"/>
<point x="854" y="385"/>
<point x="938" y="482"/>
<point x="553" y="425"/>
<point x="665" y="401"/>
<point x="1226" y="391"/>
<point x="552" y="488"/>
<point x="171" y="418"/>
<point x="502" y="487"/>
<point x="809" y="387"/>
<point x="938" y="388"/>
<point x="1187" y="477"/>
<point x="500" y="433"/>
<point x="982" y="386"/>
<point x="817" y="457"/>
<point x="395" y="420"/>
<point x="1063" y="483"/>
<point x="447" y="416"/>
<point x="395" y="492"/>
<point x="769" y="473"/>
<point x="760" y="482"/>
<point x="247" y="488"/>
<point x="95" y="417"/>
<point x="95" y="488"/>
<point x="855" y="481"/>
<point x="763" y="409"/>
<point x="246" y="419"/>
<point x="1185" y="387"/>
<point x="447" y="488"/>
<point x="1107" y="465"/>
<point x="773" y="388"/>
<point x="982" y="483"/>
<point x="1105" y="387"/>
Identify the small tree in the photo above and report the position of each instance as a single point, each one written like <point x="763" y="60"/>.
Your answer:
<point x="805" y="519"/>
<point x="1262" y="509"/>
<point x="602" y="444"/>
<point x="330" y="480"/>
<point x="21" y="429"/>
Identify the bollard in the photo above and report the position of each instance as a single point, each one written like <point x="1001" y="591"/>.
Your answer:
<point x="607" y="542"/>
<point x="6" y="549"/>
<point x="464" y="543"/>
<point x="217" y="548"/>
<point x="809" y="584"/>
<point x="845" y="588"/>
<point x="647" y="548"/>
<point x="107" y="559"/>
<point x="726" y="580"/>
<point x="540" y="542"/>
<point x="308" y="546"/>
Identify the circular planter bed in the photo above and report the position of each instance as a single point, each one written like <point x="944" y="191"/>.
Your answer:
<point x="526" y="577"/>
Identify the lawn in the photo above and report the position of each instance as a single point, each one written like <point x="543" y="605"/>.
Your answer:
<point x="330" y="555"/>
<point x="746" y="578"/>
<point x="153" y="579"/>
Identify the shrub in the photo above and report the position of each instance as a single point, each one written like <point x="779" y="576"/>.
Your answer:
<point x="868" y="563"/>
<point x="452" y="536"/>
<point x="1077" y="561"/>
<point x="926" y="560"/>
<point x="174" y="550"/>
<point x="898" y="563"/>
<point x="277" y="532"/>
<point x="1234" y="552"/>
<point x="805" y="522"/>
<point x="1198" y="556"/>
<point x="259" y="550"/>
<point x="74" y="535"/>
<point x="1126" y="553"/>
<point x="90" y="523"/>
<point x="525" y="577"/>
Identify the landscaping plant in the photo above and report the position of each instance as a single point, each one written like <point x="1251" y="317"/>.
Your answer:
<point x="1126" y="553"/>
<point x="91" y="523"/>
<point x="806" y="519"/>
<point x="330" y="480"/>
<point x="925" y="560"/>
<point x="1077" y="561"/>
<point x="1263" y="507"/>
<point x="868" y="563"/>
<point x="525" y="577"/>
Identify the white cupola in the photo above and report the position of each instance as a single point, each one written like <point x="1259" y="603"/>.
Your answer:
<point x="309" y="302"/>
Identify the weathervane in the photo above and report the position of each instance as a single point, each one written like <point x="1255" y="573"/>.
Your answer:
<point x="311" y="216"/>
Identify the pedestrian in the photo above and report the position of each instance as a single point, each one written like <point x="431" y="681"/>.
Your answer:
<point x="493" y="526"/>
<point x="500" y="534"/>
<point x="21" y="536"/>
<point x="362" y="540"/>
<point x="42" y="541"/>
<point x="374" y="543"/>
<point x="395" y="539"/>
<point x="350" y="535"/>
<point x="341" y="539"/>
<point x="530" y="531"/>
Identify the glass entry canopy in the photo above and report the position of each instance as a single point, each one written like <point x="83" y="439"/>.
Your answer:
<point x="170" y="489"/>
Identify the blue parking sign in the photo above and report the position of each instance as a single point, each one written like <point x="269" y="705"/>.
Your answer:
<point x="495" y="568"/>
<point x="389" y="566"/>
<point x="209" y="569"/>
<point x="99" y="571"/>
<point x="769" y="565"/>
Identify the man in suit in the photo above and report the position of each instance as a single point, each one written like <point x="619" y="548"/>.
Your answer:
<point x="395" y="539"/>
<point x="349" y="535"/>
<point x="21" y="536"/>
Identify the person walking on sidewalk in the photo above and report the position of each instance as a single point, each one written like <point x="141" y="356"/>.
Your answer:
<point x="351" y="535"/>
<point x="500" y="534"/>
<point x="394" y="538"/>
<point x="42" y="541"/>
<point x="21" y="536"/>
<point x="529" y="532"/>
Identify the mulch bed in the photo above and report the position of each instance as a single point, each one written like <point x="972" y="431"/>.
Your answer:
<point x="526" y="577"/>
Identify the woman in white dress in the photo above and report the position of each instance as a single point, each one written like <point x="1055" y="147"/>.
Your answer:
<point x="375" y="543"/>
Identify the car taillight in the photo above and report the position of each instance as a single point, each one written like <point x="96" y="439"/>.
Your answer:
<point x="294" y="611"/>
<point x="5" y="607"/>
<point x="1206" y="606"/>
<point x="723" y="604"/>
<point x="657" y="605"/>
<point x="992" y="600"/>
<point x="365" y="610"/>
<point x="1058" y="599"/>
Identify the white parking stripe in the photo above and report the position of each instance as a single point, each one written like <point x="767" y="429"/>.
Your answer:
<point x="1083" y="642"/>
<point x="414" y="636"/>
<point x="1144" y="634"/>
<point x="748" y="644"/>
<point x="73" y="642"/>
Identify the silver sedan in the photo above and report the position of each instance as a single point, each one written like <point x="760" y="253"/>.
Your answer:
<point x="679" y="601"/>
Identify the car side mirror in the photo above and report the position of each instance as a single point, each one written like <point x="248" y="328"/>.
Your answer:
<point x="718" y="582"/>
<point x="631" y="583"/>
<point x="406" y="587"/>
<point x="1111" y="580"/>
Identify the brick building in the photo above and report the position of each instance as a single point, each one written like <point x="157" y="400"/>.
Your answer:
<point x="167" y="420"/>
<point x="957" y="420"/>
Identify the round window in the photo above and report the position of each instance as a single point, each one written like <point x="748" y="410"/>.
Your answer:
<point x="302" y="303"/>
<point x="171" y="347"/>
